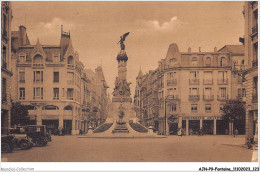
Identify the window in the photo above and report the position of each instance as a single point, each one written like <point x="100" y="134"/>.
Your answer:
<point x="37" y="93"/>
<point x="22" y="93"/>
<point x="38" y="76"/>
<point x="4" y="25"/>
<point x="22" y="77"/>
<point x="4" y="95"/>
<point x="222" y="77"/>
<point x="223" y="92"/>
<point x="55" y="93"/>
<point x="222" y="61"/>
<point x="50" y="107"/>
<point x="70" y="61"/>
<point x="208" y="93"/>
<point x="255" y="54"/>
<point x="70" y="93"/>
<point x="207" y="107"/>
<point x="194" y="91"/>
<point x="239" y="93"/>
<point x="208" y="61"/>
<point x="22" y="58"/>
<point x="4" y="63"/>
<point x="194" y="75"/>
<point x="255" y="89"/>
<point x="37" y="61"/>
<point x="172" y="60"/>
<point x="194" y="108"/>
<point x="55" y="76"/>
<point x="70" y="77"/>
<point x="172" y="107"/>
<point x="56" y="58"/>
<point x="208" y="77"/>
<point x="243" y="92"/>
<point x="194" y="61"/>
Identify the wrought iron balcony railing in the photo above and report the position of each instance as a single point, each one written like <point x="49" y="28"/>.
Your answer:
<point x="207" y="81"/>
<point x="222" y="97"/>
<point x="208" y="97"/>
<point x="194" y="97"/>
<point x="194" y="81"/>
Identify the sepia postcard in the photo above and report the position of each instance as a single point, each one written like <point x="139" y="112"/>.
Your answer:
<point x="129" y="85"/>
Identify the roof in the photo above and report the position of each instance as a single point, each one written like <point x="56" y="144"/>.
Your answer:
<point x="233" y="49"/>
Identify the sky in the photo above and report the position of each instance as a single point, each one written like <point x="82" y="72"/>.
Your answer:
<point x="96" y="28"/>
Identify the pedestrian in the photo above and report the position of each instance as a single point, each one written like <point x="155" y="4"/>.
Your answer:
<point x="236" y="133"/>
<point x="60" y="131"/>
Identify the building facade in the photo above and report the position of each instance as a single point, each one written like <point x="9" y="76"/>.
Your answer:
<point x="192" y="88"/>
<point x="51" y="79"/>
<point x="6" y="72"/>
<point x="251" y="73"/>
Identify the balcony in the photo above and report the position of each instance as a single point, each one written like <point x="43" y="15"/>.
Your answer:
<point x="194" y="81"/>
<point x="222" y="81"/>
<point x="55" y="98"/>
<point x="208" y="97"/>
<point x="71" y="66"/>
<point x="222" y="97"/>
<point x="38" y="65"/>
<point x="254" y="63"/>
<point x="208" y="81"/>
<point x="254" y="29"/>
<point x="194" y="97"/>
<point x="254" y="98"/>
<point x="37" y="97"/>
<point x="171" y="97"/>
<point x="171" y="82"/>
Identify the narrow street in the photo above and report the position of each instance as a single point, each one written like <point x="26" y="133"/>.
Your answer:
<point x="171" y="149"/>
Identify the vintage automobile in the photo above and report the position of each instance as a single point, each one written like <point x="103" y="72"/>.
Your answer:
<point x="7" y="143"/>
<point x="38" y="134"/>
<point x="21" y="139"/>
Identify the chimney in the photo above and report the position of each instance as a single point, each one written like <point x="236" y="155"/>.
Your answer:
<point x="22" y="30"/>
<point x="189" y="50"/>
<point x="215" y="49"/>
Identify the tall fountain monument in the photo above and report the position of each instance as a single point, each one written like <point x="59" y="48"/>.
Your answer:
<point x="122" y="120"/>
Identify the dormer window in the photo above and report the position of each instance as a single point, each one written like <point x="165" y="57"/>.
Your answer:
<point x="208" y="61"/>
<point x="70" y="61"/>
<point x="222" y="61"/>
<point x="194" y="61"/>
<point x="38" y="61"/>
<point x="56" y="58"/>
<point x="22" y="58"/>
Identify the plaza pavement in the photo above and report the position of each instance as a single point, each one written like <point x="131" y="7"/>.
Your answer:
<point x="171" y="149"/>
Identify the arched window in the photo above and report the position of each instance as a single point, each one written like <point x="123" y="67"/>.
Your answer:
<point x="194" y="61"/>
<point x="67" y="108"/>
<point x="50" y="107"/>
<point x="38" y="60"/>
<point x="222" y="61"/>
<point x="208" y="61"/>
<point x="70" y="61"/>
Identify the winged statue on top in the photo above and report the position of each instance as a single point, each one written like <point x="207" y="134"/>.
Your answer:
<point x="122" y="39"/>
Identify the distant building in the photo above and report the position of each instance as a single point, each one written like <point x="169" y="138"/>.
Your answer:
<point x="48" y="78"/>
<point x="250" y="41"/>
<point x="6" y="72"/>
<point x="192" y="88"/>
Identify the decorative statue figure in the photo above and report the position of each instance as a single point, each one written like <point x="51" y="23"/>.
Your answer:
<point x="122" y="39"/>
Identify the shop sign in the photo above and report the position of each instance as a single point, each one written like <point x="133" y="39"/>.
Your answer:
<point x="202" y="117"/>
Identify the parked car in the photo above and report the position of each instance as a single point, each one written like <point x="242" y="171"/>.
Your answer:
<point x="7" y="143"/>
<point x="21" y="139"/>
<point x="38" y="134"/>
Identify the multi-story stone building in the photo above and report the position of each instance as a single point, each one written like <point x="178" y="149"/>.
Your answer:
<point x="95" y="100"/>
<point x="251" y="73"/>
<point x="193" y="86"/>
<point x="6" y="72"/>
<point x="146" y="98"/>
<point x="48" y="77"/>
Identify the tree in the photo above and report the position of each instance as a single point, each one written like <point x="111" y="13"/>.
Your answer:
<point x="234" y="112"/>
<point x="19" y="114"/>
